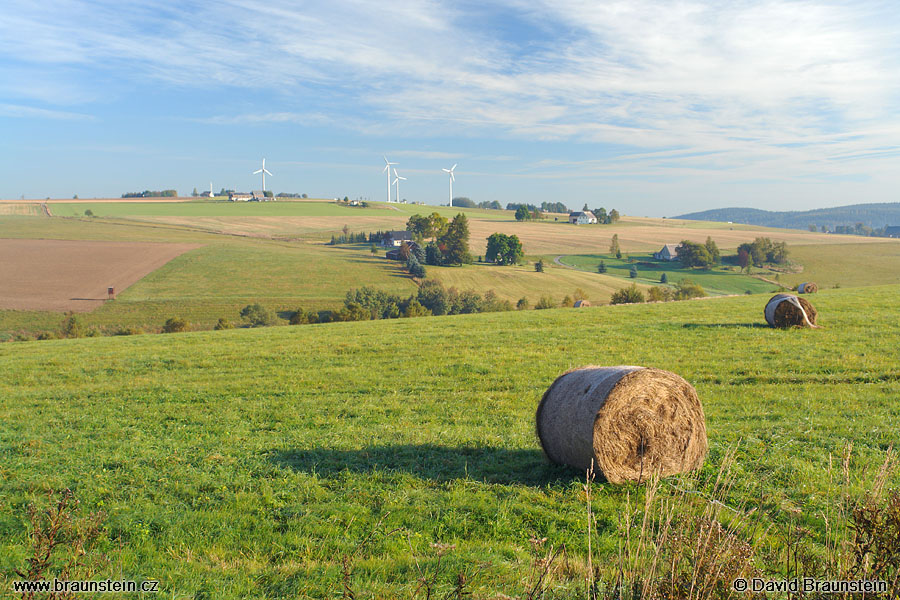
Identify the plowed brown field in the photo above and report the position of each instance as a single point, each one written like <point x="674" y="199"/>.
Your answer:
<point x="74" y="275"/>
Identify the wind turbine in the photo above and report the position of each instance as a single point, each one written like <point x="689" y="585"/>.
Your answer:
<point x="452" y="179"/>
<point x="264" y="172"/>
<point x="387" y="169"/>
<point x="397" y="183"/>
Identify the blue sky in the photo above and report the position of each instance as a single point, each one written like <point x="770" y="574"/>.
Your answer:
<point x="656" y="108"/>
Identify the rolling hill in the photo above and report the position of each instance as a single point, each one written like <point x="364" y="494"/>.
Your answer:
<point x="875" y="216"/>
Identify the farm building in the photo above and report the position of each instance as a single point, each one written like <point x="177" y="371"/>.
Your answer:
<point x="395" y="253"/>
<point x="668" y="252"/>
<point x="892" y="231"/>
<point x="395" y="238"/>
<point x="259" y="196"/>
<point x="582" y="218"/>
<point x="239" y="197"/>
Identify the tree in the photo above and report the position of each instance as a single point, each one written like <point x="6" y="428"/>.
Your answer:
<point x="567" y="302"/>
<point x="257" y="315"/>
<point x="633" y="272"/>
<point x="713" y="250"/>
<point x="437" y="225"/>
<point x="419" y="226"/>
<point x="433" y="296"/>
<point x="659" y="293"/>
<point x="601" y="268"/>
<point x="813" y="228"/>
<point x="455" y="243"/>
<point x="195" y="193"/>
<point x="433" y="255"/>
<point x="418" y="253"/>
<point x="664" y="278"/>
<point x="692" y="254"/>
<point x="463" y="202"/>
<point x="585" y="209"/>
<point x="601" y="215"/>
<point x="89" y="213"/>
<point x="404" y="251"/>
<point x="504" y="249"/>
<point x="629" y="295"/>
<point x="346" y="230"/>
<point x="414" y="309"/>
<point x="417" y="270"/>
<point x="686" y="289"/>
<point x="373" y="249"/>
<point x="613" y="216"/>
<point x="223" y="324"/>
<point x="539" y="266"/>
<point x="72" y="327"/>
<point x="544" y="302"/>
<point x="744" y="259"/>
<point x="614" y="246"/>
<point x="523" y="214"/>
<point x="175" y="325"/>
<point x="522" y="304"/>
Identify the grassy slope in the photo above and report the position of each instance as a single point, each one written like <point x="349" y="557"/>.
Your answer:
<point x="245" y="463"/>
<point x="514" y="282"/>
<point x="715" y="281"/>
<point x="235" y="270"/>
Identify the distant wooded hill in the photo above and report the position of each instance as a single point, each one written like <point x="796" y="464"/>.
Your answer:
<point x="874" y="216"/>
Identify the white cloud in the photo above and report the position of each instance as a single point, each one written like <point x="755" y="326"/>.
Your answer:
<point x="746" y="88"/>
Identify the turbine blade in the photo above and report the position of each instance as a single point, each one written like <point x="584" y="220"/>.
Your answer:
<point x="267" y="172"/>
<point x="386" y="167"/>
<point x="401" y="178"/>
<point x="453" y="167"/>
<point x="445" y="170"/>
<point x="452" y="178"/>
<point x="395" y="181"/>
<point x="257" y="172"/>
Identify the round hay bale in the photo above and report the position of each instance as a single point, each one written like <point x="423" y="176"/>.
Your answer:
<point x="581" y="303"/>
<point x="808" y="288"/>
<point x="628" y="422"/>
<point x="787" y="310"/>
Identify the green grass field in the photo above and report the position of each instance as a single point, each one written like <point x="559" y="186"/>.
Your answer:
<point x="716" y="282"/>
<point x="247" y="463"/>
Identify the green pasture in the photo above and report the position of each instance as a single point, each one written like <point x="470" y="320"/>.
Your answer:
<point x="248" y="463"/>
<point x="716" y="281"/>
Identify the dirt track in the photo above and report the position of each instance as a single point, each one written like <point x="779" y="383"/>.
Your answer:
<point x="62" y="275"/>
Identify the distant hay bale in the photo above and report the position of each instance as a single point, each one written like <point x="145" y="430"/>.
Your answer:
<point x="787" y="310"/>
<point x="631" y="422"/>
<point x="808" y="288"/>
<point x="581" y="303"/>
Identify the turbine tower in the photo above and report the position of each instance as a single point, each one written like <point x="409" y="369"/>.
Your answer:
<point x="387" y="169"/>
<point x="397" y="184"/>
<point x="264" y="173"/>
<point x="452" y="178"/>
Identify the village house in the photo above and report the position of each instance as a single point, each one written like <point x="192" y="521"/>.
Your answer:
<point x="668" y="252"/>
<point x="395" y="238"/>
<point x="582" y="218"/>
<point x="239" y="197"/>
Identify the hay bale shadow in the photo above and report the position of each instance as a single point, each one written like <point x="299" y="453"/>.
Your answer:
<point x="429" y="461"/>
<point x="725" y="325"/>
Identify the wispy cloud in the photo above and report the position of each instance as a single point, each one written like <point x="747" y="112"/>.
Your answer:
<point x="19" y="111"/>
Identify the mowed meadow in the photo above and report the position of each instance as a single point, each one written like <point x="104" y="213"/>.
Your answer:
<point x="251" y="463"/>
